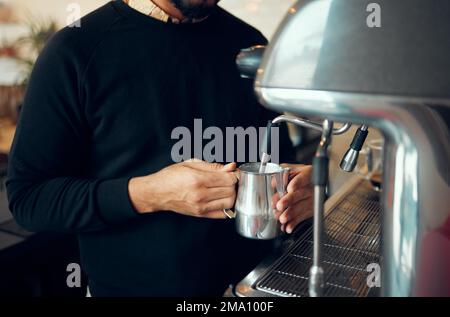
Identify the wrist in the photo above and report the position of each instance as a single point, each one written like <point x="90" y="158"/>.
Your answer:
<point x="141" y="194"/>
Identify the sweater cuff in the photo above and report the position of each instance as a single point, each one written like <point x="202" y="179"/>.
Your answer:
<point x="114" y="202"/>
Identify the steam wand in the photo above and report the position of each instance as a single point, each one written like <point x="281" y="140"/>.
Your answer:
<point x="320" y="180"/>
<point x="267" y="146"/>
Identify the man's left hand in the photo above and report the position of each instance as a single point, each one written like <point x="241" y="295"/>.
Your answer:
<point x="297" y="205"/>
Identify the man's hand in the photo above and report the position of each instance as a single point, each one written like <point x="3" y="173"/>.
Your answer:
<point x="297" y="204"/>
<point x="194" y="188"/>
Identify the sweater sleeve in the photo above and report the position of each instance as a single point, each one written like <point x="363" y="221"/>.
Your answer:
<point x="46" y="186"/>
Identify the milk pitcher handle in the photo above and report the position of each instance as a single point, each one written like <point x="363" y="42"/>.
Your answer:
<point x="230" y="213"/>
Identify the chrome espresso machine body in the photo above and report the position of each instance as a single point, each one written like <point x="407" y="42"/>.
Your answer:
<point x="328" y="60"/>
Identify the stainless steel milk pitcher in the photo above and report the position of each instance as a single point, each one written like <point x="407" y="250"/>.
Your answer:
<point x="257" y="196"/>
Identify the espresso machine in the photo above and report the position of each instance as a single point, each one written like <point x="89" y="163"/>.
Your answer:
<point x="377" y="64"/>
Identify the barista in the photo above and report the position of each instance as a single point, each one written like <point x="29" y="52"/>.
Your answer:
<point x="92" y="150"/>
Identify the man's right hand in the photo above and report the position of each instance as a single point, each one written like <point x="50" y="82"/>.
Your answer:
<point x="194" y="188"/>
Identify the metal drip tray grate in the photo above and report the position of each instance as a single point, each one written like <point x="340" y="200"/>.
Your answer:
<point x="351" y="242"/>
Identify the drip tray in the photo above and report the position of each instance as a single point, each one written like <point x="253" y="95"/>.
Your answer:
<point x="351" y="242"/>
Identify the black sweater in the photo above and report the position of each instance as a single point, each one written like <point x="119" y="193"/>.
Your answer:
<point x="99" y="109"/>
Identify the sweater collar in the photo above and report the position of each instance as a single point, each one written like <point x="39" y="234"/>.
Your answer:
<point x="149" y="8"/>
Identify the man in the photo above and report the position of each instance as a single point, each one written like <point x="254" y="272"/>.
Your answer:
<point x="91" y="153"/>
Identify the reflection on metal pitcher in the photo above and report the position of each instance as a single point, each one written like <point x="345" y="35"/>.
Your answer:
<point x="257" y="197"/>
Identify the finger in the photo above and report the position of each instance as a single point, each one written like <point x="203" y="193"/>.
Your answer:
<point x="277" y="214"/>
<point x="203" y="166"/>
<point x="287" y="215"/>
<point x="294" y="169"/>
<point x="210" y="167"/>
<point x="275" y="200"/>
<point x="218" y="179"/>
<point x="301" y="210"/>
<point x="300" y="180"/>
<point x="292" y="198"/>
<point x="219" y="204"/>
<point x="213" y="178"/>
<point x="290" y="226"/>
<point x="216" y="193"/>
<point x="193" y="160"/>
<point x="215" y="214"/>
<point x="230" y="167"/>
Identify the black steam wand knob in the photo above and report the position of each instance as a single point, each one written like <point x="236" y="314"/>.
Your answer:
<point x="350" y="159"/>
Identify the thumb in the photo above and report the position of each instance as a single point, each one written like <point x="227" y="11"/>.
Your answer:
<point x="230" y="167"/>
